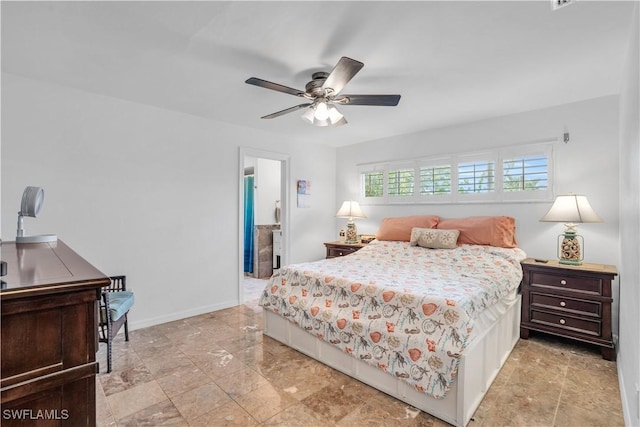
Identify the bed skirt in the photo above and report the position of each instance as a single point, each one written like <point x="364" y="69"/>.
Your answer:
<point x="479" y="365"/>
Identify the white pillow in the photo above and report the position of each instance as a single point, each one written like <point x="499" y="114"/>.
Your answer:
<point x="434" y="238"/>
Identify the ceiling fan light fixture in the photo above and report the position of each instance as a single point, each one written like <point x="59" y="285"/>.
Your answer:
<point x="308" y="116"/>
<point x="335" y="116"/>
<point x="321" y="111"/>
<point x="323" y="114"/>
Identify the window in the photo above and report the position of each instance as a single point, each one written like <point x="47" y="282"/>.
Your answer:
<point x="435" y="180"/>
<point x="373" y="184"/>
<point x="400" y="182"/>
<point x="528" y="173"/>
<point x="522" y="173"/>
<point x="476" y="177"/>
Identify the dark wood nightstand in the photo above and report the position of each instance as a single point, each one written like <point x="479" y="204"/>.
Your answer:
<point x="336" y="249"/>
<point x="569" y="301"/>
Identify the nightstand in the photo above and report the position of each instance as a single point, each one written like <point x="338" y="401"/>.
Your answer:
<point x="569" y="301"/>
<point x="336" y="249"/>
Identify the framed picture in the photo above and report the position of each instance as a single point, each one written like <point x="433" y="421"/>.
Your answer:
<point x="304" y="193"/>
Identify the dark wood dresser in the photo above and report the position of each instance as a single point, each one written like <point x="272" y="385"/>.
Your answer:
<point x="49" y="336"/>
<point x="569" y="301"/>
<point x="336" y="249"/>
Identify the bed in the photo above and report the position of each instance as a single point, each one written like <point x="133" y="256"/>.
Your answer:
<point x="428" y="320"/>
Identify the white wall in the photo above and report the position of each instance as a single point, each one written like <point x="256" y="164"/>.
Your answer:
<point x="147" y="192"/>
<point x="588" y="164"/>
<point x="629" y="347"/>
<point x="267" y="181"/>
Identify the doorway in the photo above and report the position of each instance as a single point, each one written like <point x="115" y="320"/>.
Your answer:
<point x="263" y="219"/>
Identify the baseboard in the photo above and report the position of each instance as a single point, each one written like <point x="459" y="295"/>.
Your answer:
<point x="179" y="315"/>
<point x="626" y="409"/>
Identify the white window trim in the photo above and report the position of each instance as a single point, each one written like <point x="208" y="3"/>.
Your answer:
<point x="498" y="156"/>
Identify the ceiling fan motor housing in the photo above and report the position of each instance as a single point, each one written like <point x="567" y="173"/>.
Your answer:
<point x="314" y="87"/>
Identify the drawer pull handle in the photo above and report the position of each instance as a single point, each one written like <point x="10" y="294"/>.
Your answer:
<point x="562" y="321"/>
<point x="340" y="253"/>
<point x="563" y="304"/>
<point x="563" y="282"/>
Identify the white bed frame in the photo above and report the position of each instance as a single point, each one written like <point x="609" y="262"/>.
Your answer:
<point x="479" y="365"/>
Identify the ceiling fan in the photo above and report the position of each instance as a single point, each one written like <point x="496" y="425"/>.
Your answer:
<point x="323" y="94"/>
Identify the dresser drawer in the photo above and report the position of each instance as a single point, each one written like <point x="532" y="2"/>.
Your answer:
<point x="583" y="284"/>
<point x="560" y="321"/>
<point x="336" y="252"/>
<point x="571" y="305"/>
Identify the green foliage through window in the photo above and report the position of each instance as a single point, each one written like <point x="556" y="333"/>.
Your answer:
<point x="435" y="180"/>
<point x="529" y="173"/>
<point x="373" y="184"/>
<point x="476" y="177"/>
<point x="401" y="182"/>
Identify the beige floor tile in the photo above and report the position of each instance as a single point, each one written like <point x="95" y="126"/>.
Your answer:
<point x="332" y="403"/>
<point x="167" y="362"/>
<point x="217" y="369"/>
<point x="240" y="382"/>
<point x="160" y="414"/>
<point x="182" y="380"/>
<point x="124" y="379"/>
<point x="104" y="417"/>
<point x="569" y="415"/>
<point x="265" y="402"/>
<point x="200" y="400"/>
<point x="229" y="414"/>
<point x="135" y="399"/>
<point x="298" y="415"/>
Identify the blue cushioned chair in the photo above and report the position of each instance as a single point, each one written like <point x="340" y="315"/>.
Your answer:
<point x="114" y="306"/>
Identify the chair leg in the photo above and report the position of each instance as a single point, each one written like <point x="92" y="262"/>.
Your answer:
<point x="109" y="340"/>
<point x="126" y="328"/>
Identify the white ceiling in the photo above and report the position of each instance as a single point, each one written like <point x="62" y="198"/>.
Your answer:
<point x="452" y="62"/>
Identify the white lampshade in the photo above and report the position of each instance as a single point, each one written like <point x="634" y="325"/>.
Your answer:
<point x="350" y="209"/>
<point x="572" y="208"/>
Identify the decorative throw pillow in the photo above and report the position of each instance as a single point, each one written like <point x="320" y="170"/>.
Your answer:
<point x="434" y="238"/>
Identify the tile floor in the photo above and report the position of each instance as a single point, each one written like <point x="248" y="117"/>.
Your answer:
<point x="218" y="369"/>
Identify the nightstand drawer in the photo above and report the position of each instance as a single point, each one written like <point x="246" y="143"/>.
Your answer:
<point x="342" y="251"/>
<point x="575" y="283"/>
<point x="571" y="305"/>
<point x="559" y="321"/>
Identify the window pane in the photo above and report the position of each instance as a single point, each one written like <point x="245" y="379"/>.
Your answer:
<point x="435" y="180"/>
<point x="373" y="184"/>
<point x="476" y="177"/>
<point x="529" y="173"/>
<point x="401" y="182"/>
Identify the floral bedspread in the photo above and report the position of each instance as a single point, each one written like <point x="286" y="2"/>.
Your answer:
<point x="407" y="310"/>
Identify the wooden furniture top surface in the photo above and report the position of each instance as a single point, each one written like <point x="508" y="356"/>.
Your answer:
<point x="592" y="268"/>
<point x="352" y="245"/>
<point x="39" y="268"/>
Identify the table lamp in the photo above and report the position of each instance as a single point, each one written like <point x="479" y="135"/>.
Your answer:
<point x="571" y="209"/>
<point x="350" y="209"/>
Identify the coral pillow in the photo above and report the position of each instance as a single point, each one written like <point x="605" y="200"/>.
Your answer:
<point x="497" y="231"/>
<point x="399" y="228"/>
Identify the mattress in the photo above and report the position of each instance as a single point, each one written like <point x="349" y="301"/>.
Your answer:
<point x="407" y="310"/>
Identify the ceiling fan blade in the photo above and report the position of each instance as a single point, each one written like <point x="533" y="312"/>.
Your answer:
<point x="341" y="74"/>
<point x="384" y="100"/>
<point x="283" y="112"/>
<point x="274" y="86"/>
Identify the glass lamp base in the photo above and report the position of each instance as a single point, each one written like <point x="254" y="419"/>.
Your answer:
<point x="352" y="233"/>
<point x="570" y="248"/>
